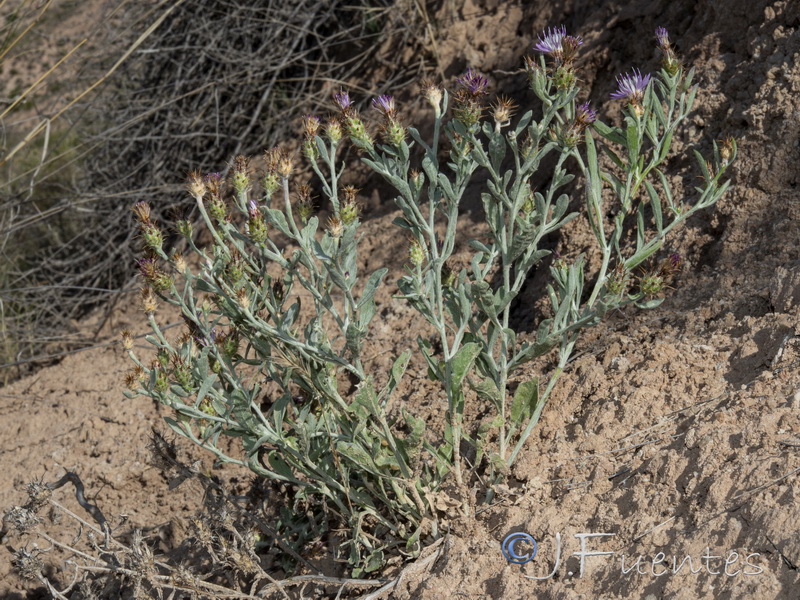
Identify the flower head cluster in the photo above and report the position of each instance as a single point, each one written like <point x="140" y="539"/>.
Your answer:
<point x="659" y="278"/>
<point x="351" y="121"/>
<point x="669" y="59"/>
<point x="350" y="209"/>
<point x="572" y="134"/>
<point x="153" y="274"/>
<point x="311" y="126"/>
<point x="342" y="100"/>
<point x="151" y="234"/>
<point x="474" y="83"/>
<point x="256" y="224"/>
<point x="393" y="132"/>
<point x="556" y="43"/>
<point x="467" y="100"/>
<point x="240" y="174"/>
<point x="631" y="87"/>
<point x="563" y="49"/>
<point x="305" y="202"/>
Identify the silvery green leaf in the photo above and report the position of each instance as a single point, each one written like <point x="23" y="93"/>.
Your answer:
<point x="360" y="458"/>
<point x="497" y="148"/>
<point x="323" y="250"/>
<point x="368" y="296"/>
<point x="632" y="139"/>
<point x="337" y="277"/>
<point x="523" y="123"/>
<point x="355" y="338"/>
<point x="483" y="297"/>
<point x="365" y="402"/>
<point x="641" y="256"/>
<point x="403" y="224"/>
<point x="561" y="207"/>
<point x="702" y="163"/>
<point x="525" y="400"/>
<point x="177" y="427"/>
<point x="479" y="246"/>
<point x="430" y="169"/>
<point x="655" y="203"/>
<point x="462" y="363"/>
<point x="277" y="218"/>
<point x="650" y="303"/>
<point x="288" y="317"/>
<point x="205" y="286"/>
<point x="523" y="239"/>
<point x="444" y="184"/>
<point x="280" y="467"/>
<point x="208" y="383"/>
<point x="243" y="411"/>
<point x="398" y="370"/>
<point x="485" y="388"/>
<point x="612" y="134"/>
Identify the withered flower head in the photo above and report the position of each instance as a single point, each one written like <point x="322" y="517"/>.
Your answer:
<point x="196" y="185"/>
<point x="503" y="110"/>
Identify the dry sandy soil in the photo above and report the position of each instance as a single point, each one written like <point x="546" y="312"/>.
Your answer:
<point x="675" y="430"/>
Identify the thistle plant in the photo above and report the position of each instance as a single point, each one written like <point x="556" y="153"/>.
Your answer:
<point x="272" y="349"/>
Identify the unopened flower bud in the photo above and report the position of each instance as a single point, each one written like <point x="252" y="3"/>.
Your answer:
<point x="333" y="129"/>
<point x="271" y="184"/>
<point x="305" y="202"/>
<point x="184" y="227"/>
<point x="358" y="133"/>
<point x="152" y="237"/>
<point x="240" y="174"/>
<point x="417" y="253"/>
<point x="617" y="282"/>
<point x="395" y="133"/>
<point x="218" y="209"/>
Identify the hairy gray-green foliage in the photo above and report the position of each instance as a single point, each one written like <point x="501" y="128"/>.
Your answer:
<point x="258" y="364"/>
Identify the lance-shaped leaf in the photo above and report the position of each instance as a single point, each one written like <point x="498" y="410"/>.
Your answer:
<point x="462" y="364"/>
<point x="525" y="400"/>
<point x="366" y="305"/>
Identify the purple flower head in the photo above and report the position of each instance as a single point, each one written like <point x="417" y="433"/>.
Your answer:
<point x="631" y="87"/>
<point x="550" y="41"/>
<point x="252" y="209"/>
<point x="585" y="115"/>
<point x="662" y="35"/>
<point x="212" y="177"/>
<point x="384" y="105"/>
<point x="147" y="267"/>
<point x="474" y="82"/>
<point x="342" y="99"/>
